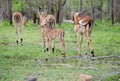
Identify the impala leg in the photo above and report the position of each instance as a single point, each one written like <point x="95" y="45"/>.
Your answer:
<point x="43" y="40"/>
<point x="53" y="48"/>
<point x="17" y="34"/>
<point x="89" y="45"/>
<point x="91" y="48"/>
<point x="79" y="39"/>
<point x="48" y="44"/>
<point x="21" y="35"/>
<point x="17" y="37"/>
<point x="63" y="48"/>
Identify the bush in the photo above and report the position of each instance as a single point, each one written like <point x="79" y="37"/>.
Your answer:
<point x="5" y="23"/>
<point x="112" y="78"/>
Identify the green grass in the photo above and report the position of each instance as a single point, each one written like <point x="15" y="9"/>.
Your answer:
<point x="18" y="62"/>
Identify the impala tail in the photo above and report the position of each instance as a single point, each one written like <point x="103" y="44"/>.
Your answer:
<point x="90" y="24"/>
<point x="17" y="18"/>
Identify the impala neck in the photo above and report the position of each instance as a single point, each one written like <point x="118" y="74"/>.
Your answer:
<point x="76" y="19"/>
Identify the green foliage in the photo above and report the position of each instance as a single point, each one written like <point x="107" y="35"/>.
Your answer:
<point x="5" y="23"/>
<point x="18" y="5"/>
<point x="112" y="78"/>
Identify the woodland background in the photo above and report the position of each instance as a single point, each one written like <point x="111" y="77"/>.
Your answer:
<point x="104" y="10"/>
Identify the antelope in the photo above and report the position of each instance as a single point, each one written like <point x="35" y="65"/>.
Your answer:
<point x="83" y="27"/>
<point x="19" y="21"/>
<point x="44" y="19"/>
<point x="51" y="35"/>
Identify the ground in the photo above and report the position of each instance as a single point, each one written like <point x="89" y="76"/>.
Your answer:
<point x="19" y="62"/>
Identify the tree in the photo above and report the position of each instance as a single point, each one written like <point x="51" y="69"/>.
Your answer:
<point x="112" y="11"/>
<point x="59" y="15"/>
<point x="50" y="6"/>
<point x="6" y="10"/>
<point x="92" y="6"/>
<point x="117" y="11"/>
<point x="10" y="11"/>
<point x="100" y="9"/>
<point x="80" y="5"/>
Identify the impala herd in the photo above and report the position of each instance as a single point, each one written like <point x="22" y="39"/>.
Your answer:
<point x="82" y="26"/>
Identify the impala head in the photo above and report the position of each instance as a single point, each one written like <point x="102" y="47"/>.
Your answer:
<point x="44" y="21"/>
<point x="24" y="20"/>
<point x="48" y="20"/>
<point x="78" y="14"/>
<point x="76" y="17"/>
<point x="42" y="12"/>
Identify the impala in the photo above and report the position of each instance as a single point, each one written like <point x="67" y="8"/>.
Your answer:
<point x="19" y="21"/>
<point x="83" y="27"/>
<point x="44" y="19"/>
<point x="51" y="35"/>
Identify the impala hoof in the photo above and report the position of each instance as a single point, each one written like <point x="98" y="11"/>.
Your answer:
<point x="92" y="52"/>
<point x="47" y="49"/>
<point x="17" y="42"/>
<point x="21" y="44"/>
<point x="46" y="59"/>
<point x="63" y="55"/>
<point x="53" y="50"/>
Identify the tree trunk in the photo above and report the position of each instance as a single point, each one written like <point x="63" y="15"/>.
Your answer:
<point x="10" y="11"/>
<point x="117" y="11"/>
<point x="59" y="15"/>
<point x="92" y="6"/>
<point x="29" y="9"/>
<point x="34" y="17"/>
<point x="112" y="11"/>
<point x="108" y="10"/>
<point x="6" y="10"/>
<point x="80" y="5"/>
<point x="1" y="10"/>
<point x="101" y="3"/>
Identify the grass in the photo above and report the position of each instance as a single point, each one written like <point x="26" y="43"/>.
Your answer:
<point x="18" y="62"/>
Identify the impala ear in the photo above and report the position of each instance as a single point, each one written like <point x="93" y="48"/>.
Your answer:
<point x="25" y="18"/>
<point x="81" y="13"/>
<point x="39" y="10"/>
<point x="72" y="16"/>
<point x="45" y="10"/>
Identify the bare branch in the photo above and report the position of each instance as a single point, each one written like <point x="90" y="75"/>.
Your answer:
<point x="103" y="57"/>
<point x="57" y="65"/>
